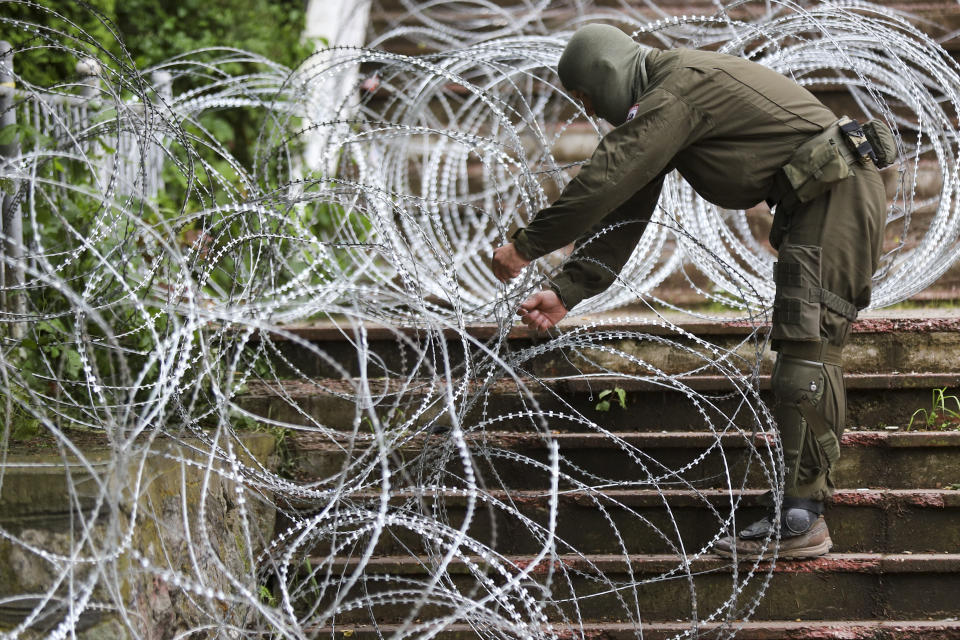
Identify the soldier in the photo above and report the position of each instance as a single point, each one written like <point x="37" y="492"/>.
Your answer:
<point x="739" y="133"/>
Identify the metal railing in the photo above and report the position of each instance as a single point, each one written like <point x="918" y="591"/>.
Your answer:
<point x="11" y="266"/>
<point x="124" y="165"/>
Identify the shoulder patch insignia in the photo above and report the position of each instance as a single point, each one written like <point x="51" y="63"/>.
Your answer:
<point x="633" y="112"/>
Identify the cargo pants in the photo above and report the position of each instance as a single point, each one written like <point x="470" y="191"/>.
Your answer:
<point x="829" y="249"/>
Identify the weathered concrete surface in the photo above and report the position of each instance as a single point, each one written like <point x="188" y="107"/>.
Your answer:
<point x="874" y="400"/>
<point x="765" y="630"/>
<point x="877" y="344"/>
<point x="154" y="515"/>
<point x="876" y="459"/>
<point x="896" y="546"/>
<point x="835" y="587"/>
<point x="881" y="521"/>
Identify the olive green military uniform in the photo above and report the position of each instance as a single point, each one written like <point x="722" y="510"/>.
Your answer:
<point x="728" y="126"/>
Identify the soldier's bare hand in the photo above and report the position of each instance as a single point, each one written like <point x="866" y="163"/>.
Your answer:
<point x="508" y="263"/>
<point x="542" y="310"/>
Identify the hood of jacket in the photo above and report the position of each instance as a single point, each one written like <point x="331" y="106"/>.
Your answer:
<point x="607" y="65"/>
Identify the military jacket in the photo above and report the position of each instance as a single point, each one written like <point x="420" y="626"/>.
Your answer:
<point x="726" y="124"/>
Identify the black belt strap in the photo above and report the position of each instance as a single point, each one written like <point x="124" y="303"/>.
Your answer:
<point x="857" y="139"/>
<point x="815" y="351"/>
<point x="834" y="302"/>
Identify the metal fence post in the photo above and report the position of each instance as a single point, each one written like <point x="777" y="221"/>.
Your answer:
<point x="163" y="85"/>
<point x="89" y="71"/>
<point x="162" y="99"/>
<point x="12" y="274"/>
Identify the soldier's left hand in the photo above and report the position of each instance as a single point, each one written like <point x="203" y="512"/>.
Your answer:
<point x="543" y="310"/>
<point x="507" y="262"/>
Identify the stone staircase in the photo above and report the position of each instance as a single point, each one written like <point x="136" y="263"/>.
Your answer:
<point x="894" y="571"/>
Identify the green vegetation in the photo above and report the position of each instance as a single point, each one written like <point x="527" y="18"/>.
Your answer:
<point x="125" y="36"/>
<point x="938" y="416"/>
<point x="285" y="462"/>
<point x="23" y="425"/>
<point x="141" y="33"/>
<point x="152" y="31"/>
<point x="267" y="597"/>
<point x="608" y="394"/>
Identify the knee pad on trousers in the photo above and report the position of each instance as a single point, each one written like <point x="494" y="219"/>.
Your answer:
<point x="799" y="388"/>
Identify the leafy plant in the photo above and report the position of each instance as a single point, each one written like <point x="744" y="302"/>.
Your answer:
<point x="285" y="462"/>
<point x="23" y="426"/>
<point x="938" y="415"/>
<point x="267" y="596"/>
<point x="141" y="33"/>
<point x="606" y="395"/>
<point x="312" y="578"/>
<point x="151" y="31"/>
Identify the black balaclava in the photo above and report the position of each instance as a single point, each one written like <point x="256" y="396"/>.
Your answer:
<point x="607" y="65"/>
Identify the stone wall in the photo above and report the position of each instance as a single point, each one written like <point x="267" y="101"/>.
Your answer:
<point x="161" y="535"/>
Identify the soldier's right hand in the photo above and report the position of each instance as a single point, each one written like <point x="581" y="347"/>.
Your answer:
<point x="508" y="262"/>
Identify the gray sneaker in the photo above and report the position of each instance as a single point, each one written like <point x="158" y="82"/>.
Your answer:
<point x="753" y="543"/>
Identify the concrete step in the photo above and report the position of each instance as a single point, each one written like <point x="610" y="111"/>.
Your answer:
<point x="873" y="400"/>
<point x="652" y="522"/>
<point x="894" y="460"/>
<point x="896" y="559"/>
<point x="877" y="345"/>
<point x="608" y="587"/>
<point x="793" y="629"/>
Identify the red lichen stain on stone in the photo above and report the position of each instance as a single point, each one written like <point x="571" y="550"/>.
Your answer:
<point x="540" y="568"/>
<point x="857" y="498"/>
<point x="864" y="438"/>
<point x="530" y="498"/>
<point x="833" y="633"/>
<point x="588" y="634"/>
<point x="925" y="499"/>
<point x="918" y="325"/>
<point x="828" y="564"/>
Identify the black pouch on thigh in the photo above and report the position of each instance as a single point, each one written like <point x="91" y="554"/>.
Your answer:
<point x="796" y="305"/>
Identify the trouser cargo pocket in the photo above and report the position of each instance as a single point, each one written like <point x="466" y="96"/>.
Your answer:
<point x="796" y="306"/>
<point x="809" y="410"/>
